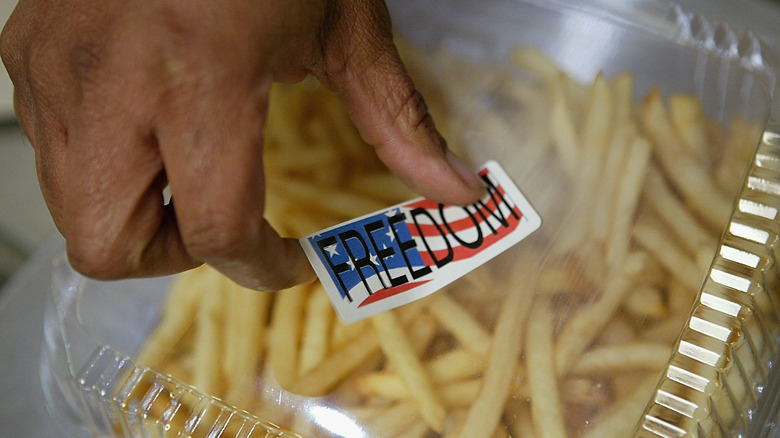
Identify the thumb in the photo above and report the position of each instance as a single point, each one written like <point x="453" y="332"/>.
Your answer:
<point x="361" y="63"/>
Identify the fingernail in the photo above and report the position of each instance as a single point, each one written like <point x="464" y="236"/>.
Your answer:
<point x="464" y="171"/>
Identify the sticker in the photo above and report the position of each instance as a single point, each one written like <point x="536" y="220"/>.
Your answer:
<point x="406" y="252"/>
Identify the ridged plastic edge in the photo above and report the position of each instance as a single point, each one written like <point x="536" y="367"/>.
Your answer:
<point x="124" y="399"/>
<point x="724" y="41"/>
<point x="90" y="387"/>
<point x="721" y="379"/>
<point x="717" y="382"/>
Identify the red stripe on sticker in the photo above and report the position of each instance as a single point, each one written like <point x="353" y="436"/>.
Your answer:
<point x="461" y="252"/>
<point x="456" y="226"/>
<point x="379" y="296"/>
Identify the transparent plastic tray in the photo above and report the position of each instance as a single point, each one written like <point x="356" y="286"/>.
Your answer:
<point x="721" y="378"/>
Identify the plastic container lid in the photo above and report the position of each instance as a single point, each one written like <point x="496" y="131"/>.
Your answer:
<point x="715" y="374"/>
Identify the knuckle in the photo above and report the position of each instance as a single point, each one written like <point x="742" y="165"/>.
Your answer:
<point x="220" y="237"/>
<point x="9" y="51"/>
<point x="12" y="44"/>
<point x="99" y="259"/>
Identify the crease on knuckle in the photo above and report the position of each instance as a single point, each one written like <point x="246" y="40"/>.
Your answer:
<point x="10" y="51"/>
<point x="220" y="237"/>
<point x="101" y="259"/>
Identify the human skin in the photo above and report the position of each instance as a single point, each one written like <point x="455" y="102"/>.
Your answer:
<point x="121" y="99"/>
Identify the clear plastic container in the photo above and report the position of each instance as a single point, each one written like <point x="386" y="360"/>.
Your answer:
<point x="720" y="377"/>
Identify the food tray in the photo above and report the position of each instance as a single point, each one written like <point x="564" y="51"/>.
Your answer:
<point x="719" y="378"/>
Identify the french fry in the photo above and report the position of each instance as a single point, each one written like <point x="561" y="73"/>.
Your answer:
<point x="680" y="296"/>
<point x="518" y="414"/>
<point x="688" y="176"/>
<point x="623" y="86"/>
<point x="674" y="214"/>
<point x="645" y="301"/>
<point x="417" y="430"/>
<point x="657" y="242"/>
<point x="546" y="408"/>
<point x="586" y="391"/>
<point x="348" y="356"/>
<point x="181" y="369"/>
<point x="624" y="357"/>
<point x="597" y="130"/>
<point x="424" y="328"/>
<point x="534" y="61"/>
<point x="244" y="339"/>
<point x="455" y="420"/>
<point x="302" y="424"/>
<point x="285" y="333"/>
<point x="461" y="394"/>
<point x="316" y="331"/>
<point x="687" y="115"/>
<point x="579" y="97"/>
<point x="534" y="131"/>
<point x="475" y="286"/>
<point x="395" y="419"/>
<point x="460" y="323"/>
<point x="340" y="202"/>
<point x="500" y="432"/>
<point x="563" y="128"/>
<point x="617" y="331"/>
<point x="452" y="366"/>
<point x="627" y="198"/>
<point x="282" y="126"/>
<point x="336" y="366"/>
<point x="395" y="345"/>
<point x="666" y="331"/>
<point x="562" y="277"/>
<point x="604" y="208"/>
<point x="343" y="333"/>
<point x="311" y="161"/>
<point x="594" y="136"/>
<point x="485" y="413"/>
<point x="206" y="374"/>
<point x="582" y="328"/>
<point x="623" y="420"/>
<point x="176" y="318"/>
<point x="390" y="386"/>
<point x="738" y="150"/>
<point x="455" y="364"/>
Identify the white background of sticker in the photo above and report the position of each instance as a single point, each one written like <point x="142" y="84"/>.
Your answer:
<point x="530" y="222"/>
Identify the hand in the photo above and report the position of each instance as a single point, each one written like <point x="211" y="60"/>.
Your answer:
<point x="120" y="99"/>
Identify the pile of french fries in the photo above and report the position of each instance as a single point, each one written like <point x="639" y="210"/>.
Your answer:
<point x="562" y="336"/>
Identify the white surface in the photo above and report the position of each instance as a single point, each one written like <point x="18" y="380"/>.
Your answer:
<point x="22" y="303"/>
<point x="24" y="218"/>
<point x="6" y="89"/>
